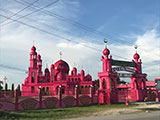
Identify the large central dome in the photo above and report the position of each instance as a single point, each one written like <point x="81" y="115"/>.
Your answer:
<point x="62" y="66"/>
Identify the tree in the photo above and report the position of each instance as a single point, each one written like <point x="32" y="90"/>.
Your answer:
<point x="1" y="87"/>
<point x="97" y="83"/>
<point x="19" y="89"/>
<point x="119" y="81"/>
<point x="6" y="87"/>
<point x="12" y="87"/>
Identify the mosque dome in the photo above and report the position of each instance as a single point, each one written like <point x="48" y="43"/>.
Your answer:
<point x="52" y="66"/>
<point x="62" y="66"/>
<point x="33" y="48"/>
<point x="46" y="70"/>
<point x="89" y="78"/>
<point x="136" y="56"/>
<point x="82" y="72"/>
<point x="39" y="57"/>
<point x="106" y="52"/>
<point x="74" y="70"/>
<point x="59" y="76"/>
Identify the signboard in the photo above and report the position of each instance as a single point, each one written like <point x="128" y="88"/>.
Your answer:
<point x="123" y="69"/>
<point x="126" y="75"/>
<point x="123" y="63"/>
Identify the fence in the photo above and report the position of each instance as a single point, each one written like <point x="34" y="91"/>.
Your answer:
<point x="41" y="102"/>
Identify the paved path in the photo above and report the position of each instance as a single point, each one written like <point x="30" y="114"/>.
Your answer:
<point x="133" y="116"/>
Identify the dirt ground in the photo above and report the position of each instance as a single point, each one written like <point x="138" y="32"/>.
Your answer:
<point x="142" y="107"/>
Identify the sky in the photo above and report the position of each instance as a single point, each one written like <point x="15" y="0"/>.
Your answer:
<point x="123" y="23"/>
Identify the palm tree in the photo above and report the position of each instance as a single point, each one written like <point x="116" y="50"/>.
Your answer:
<point x="1" y="83"/>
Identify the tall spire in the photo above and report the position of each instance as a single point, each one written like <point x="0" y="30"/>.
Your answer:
<point x="136" y="47"/>
<point x="105" y="42"/>
<point x="33" y="42"/>
<point x="60" y="53"/>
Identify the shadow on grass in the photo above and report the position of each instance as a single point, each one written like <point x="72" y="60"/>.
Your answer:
<point x="57" y="113"/>
<point x="150" y="109"/>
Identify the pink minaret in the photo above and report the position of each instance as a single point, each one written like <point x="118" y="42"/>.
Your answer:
<point x="39" y="65"/>
<point x="33" y="57"/>
<point x="137" y="61"/>
<point x="74" y="71"/>
<point x="52" y="75"/>
<point x="106" y="61"/>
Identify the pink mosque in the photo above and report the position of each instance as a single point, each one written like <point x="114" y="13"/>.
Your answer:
<point x="57" y="76"/>
<point x="109" y="91"/>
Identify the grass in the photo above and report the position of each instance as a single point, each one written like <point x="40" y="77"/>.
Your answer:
<point x="58" y="113"/>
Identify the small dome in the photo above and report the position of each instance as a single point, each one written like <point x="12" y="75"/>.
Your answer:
<point x="33" y="48"/>
<point x="38" y="57"/>
<point x="46" y="70"/>
<point x="82" y="72"/>
<point x="89" y="77"/>
<point x="136" y="56"/>
<point x="59" y="76"/>
<point x="106" y="52"/>
<point x="62" y="66"/>
<point x="74" y="70"/>
<point x="52" y="66"/>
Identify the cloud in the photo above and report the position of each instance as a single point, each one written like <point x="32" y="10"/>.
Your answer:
<point x="17" y="40"/>
<point x="70" y="45"/>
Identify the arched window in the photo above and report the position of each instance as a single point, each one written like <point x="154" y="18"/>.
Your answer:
<point x="104" y="84"/>
<point x="32" y="89"/>
<point x="32" y="77"/>
<point x="63" y="90"/>
<point x="52" y="76"/>
<point x="47" y="90"/>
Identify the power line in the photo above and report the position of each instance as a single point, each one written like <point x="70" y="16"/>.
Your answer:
<point x="62" y="38"/>
<point x="41" y="23"/>
<point x="74" y="23"/>
<point x="41" y="8"/>
<point x="33" y="12"/>
<point x="53" y="34"/>
<point x="20" y="11"/>
<point x="13" y="68"/>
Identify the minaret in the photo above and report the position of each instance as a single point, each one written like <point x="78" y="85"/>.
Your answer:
<point x="33" y="66"/>
<point x="33" y="58"/>
<point x="137" y="61"/>
<point x="52" y="75"/>
<point x="39" y="65"/>
<point x="105" y="59"/>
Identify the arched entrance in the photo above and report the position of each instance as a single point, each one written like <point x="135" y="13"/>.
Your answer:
<point x="112" y="69"/>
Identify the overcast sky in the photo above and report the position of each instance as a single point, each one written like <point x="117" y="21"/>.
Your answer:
<point x="124" y="23"/>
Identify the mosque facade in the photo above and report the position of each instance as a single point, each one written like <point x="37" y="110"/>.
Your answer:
<point x="57" y="76"/>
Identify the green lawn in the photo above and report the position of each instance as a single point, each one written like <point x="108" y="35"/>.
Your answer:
<point x="59" y="113"/>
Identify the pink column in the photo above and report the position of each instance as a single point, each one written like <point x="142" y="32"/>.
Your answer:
<point x="127" y="100"/>
<point x="100" y="84"/>
<point x="157" y="97"/>
<point x="108" y="96"/>
<point x="76" y="94"/>
<point x="60" y="95"/>
<point x="91" y="93"/>
<point x="40" y="97"/>
<point x="16" y="99"/>
<point x="100" y="97"/>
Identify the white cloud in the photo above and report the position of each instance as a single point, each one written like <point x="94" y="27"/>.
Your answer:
<point x="70" y="45"/>
<point x="16" y="41"/>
